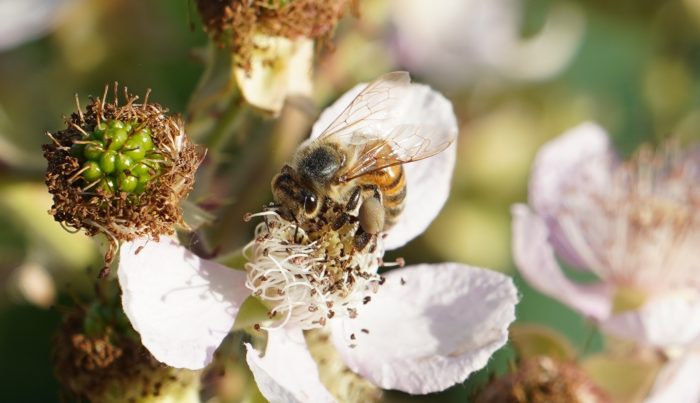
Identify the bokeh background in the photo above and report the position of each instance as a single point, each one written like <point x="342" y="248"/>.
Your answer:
<point x="518" y="73"/>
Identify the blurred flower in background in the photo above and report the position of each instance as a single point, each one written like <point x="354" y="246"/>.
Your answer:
<point x="459" y="42"/>
<point x="635" y="225"/>
<point x="25" y="20"/>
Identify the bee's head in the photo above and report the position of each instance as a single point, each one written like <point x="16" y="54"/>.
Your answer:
<point x="296" y="201"/>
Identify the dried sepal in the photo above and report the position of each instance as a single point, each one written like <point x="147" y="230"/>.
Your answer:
<point x="125" y="183"/>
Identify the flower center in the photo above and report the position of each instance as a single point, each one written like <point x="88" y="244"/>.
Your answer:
<point x="312" y="274"/>
<point x="640" y="228"/>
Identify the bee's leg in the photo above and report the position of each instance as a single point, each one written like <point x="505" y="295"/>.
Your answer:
<point x="354" y="199"/>
<point x="296" y="229"/>
<point x="361" y="239"/>
<point x="371" y="214"/>
<point x="372" y="190"/>
<point x="343" y="219"/>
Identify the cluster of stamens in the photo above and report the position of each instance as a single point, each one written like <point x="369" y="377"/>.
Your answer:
<point x="307" y="274"/>
<point x="642" y="229"/>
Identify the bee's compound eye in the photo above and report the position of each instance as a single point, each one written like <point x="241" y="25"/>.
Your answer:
<point x="310" y="204"/>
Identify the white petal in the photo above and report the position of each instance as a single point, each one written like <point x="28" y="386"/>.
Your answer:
<point x="671" y="321"/>
<point x="280" y="68"/>
<point x="287" y="373"/>
<point x="430" y="326"/>
<point x="582" y="156"/>
<point x="535" y="259"/>
<point x="428" y="180"/>
<point x="678" y="381"/>
<point x="28" y="19"/>
<point x="181" y="305"/>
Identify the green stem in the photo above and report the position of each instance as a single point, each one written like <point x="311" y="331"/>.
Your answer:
<point x="234" y="260"/>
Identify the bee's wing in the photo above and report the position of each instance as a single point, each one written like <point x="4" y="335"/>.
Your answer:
<point x="369" y="110"/>
<point x="406" y="143"/>
<point x="375" y="122"/>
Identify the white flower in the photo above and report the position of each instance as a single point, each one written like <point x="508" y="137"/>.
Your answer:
<point x="24" y="20"/>
<point x="459" y="41"/>
<point x="425" y="329"/>
<point x="280" y="68"/>
<point x="635" y="225"/>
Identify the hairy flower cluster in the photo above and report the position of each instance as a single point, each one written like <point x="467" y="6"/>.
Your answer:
<point x="313" y="273"/>
<point x="121" y="170"/>
<point x="233" y="23"/>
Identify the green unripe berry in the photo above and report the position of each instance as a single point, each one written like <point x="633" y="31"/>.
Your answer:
<point x="94" y="150"/>
<point x="92" y="171"/>
<point x="116" y="137"/>
<point x="144" y="138"/>
<point x="129" y="126"/>
<point x="108" y="161"/>
<point x="116" y="124"/>
<point x="155" y="166"/>
<point x="108" y="184"/>
<point x="141" y="169"/>
<point x="99" y="131"/>
<point x="134" y="149"/>
<point x="124" y="163"/>
<point x="127" y="183"/>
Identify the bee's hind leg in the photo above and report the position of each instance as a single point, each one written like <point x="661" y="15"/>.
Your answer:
<point x="362" y="239"/>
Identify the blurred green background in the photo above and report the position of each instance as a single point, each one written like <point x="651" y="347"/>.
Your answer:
<point x="632" y="66"/>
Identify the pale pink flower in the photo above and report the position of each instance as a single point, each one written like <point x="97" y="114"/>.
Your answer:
<point x="457" y="42"/>
<point x="425" y="329"/>
<point x="635" y="225"/>
<point x="25" y="20"/>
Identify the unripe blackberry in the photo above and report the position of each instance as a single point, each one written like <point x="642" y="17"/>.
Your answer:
<point x="121" y="170"/>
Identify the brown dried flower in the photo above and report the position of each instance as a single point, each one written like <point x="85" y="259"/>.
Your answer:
<point x="98" y="357"/>
<point x="234" y="22"/>
<point x="121" y="170"/>
<point x="543" y="379"/>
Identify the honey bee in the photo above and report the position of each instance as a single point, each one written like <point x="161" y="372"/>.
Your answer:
<point x="357" y="162"/>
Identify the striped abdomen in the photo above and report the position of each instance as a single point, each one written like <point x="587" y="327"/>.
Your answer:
<point x="392" y="184"/>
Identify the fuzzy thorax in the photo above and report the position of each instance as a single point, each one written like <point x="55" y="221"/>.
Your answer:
<point x="306" y="277"/>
